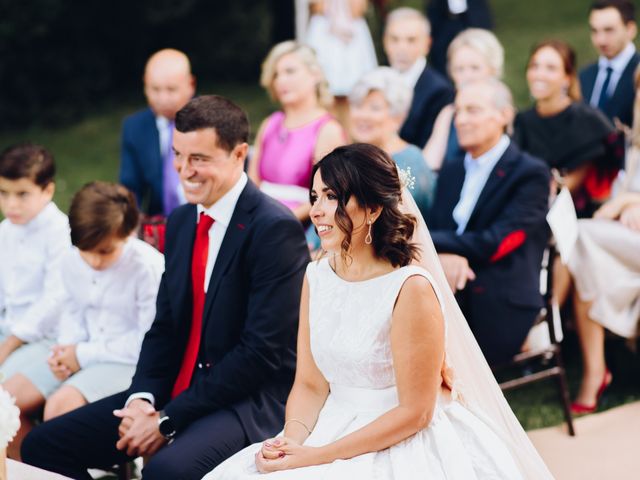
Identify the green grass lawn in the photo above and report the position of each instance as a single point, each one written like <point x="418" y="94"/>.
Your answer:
<point x="89" y="150"/>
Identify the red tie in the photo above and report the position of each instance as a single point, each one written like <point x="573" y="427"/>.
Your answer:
<point x="198" y="268"/>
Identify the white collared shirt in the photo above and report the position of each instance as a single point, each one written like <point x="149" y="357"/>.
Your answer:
<point x="411" y="75"/>
<point x="457" y="7"/>
<point x="221" y="212"/>
<point x="30" y="287"/>
<point x="477" y="173"/>
<point x="106" y="313"/>
<point x="618" y="64"/>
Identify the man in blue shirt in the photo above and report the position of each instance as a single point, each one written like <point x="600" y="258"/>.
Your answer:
<point x="488" y="222"/>
<point x="146" y="166"/>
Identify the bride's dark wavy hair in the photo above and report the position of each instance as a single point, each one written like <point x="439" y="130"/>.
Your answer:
<point x="369" y="175"/>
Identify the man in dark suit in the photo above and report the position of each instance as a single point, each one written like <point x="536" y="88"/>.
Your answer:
<point x="146" y="163"/>
<point x="488" y="222"/>
<point x="448" y="19"/>
<point x="406" y="42"/>
<point x="609" y="83"/>
<point x="217" y="364"/>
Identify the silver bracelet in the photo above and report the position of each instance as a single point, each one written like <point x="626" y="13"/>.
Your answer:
<point x="295" y="420"/>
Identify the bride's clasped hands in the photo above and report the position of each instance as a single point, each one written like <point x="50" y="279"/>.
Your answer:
<point x="284" y="453"/>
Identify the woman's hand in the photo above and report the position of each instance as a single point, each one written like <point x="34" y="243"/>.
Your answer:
<point x="630" y="217"/>
<point x="270" y="450"/>
<point x="609" y="210"/>
<point x="283" y="453"/>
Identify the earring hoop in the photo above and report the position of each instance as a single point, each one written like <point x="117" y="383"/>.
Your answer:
<point x="368" y="239"/>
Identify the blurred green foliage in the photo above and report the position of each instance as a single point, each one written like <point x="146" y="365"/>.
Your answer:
<point x="61" y="59"/>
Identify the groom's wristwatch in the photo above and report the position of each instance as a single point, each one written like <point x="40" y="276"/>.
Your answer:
<point x="165" y="425"/>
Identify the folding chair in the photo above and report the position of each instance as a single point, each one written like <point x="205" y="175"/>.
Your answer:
<point x="548" y="357"/>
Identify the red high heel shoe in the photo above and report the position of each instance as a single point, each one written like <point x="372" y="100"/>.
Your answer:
<point x="581" y="408"/>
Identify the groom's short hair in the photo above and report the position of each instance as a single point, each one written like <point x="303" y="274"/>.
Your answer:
<point x="213" y="111"/>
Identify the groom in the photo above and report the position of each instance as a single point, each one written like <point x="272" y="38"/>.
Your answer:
<point x="218" y="362"/>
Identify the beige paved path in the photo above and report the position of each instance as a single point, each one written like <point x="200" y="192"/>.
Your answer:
<point x="20" y="471"/>
<point x="606" y="446"/>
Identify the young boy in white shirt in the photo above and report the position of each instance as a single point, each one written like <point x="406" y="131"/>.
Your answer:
<point x="33" y="238"/>
<point x="110" y="281"/>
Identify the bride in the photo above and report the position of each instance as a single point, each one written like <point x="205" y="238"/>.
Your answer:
<point x="390" y="383"/>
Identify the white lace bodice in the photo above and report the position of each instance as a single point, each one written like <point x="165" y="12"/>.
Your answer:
<point x="350" y="324"/>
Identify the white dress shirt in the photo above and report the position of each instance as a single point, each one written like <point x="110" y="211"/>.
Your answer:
<point x="477" y="173"/>
<point x="617" y="64"/>
<point x="221" y="212"/>
<point x="30" y="287"/>
<point x="412" y="74"/>
<point x="457" y="7"/>
<point x="107" y="312"/>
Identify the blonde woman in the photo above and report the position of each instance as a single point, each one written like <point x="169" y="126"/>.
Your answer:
<point x="291" y="140"/>
<point x="474" y="54"/>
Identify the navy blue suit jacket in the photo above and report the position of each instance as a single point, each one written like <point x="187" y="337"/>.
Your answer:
<point x="431" y="93"/>
<point x="620" y="104"/>
<point x="503" y="241"/>
<point x="249" y="323"/>
<point x="445" y="26"/>
<point x="141" y="161"/>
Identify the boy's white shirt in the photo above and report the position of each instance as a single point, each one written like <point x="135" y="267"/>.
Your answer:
<point x="30" y="288"/>
<point x="107" y="313"/>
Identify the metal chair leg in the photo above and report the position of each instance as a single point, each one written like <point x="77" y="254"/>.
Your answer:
<point x="564" y="394"/>
<point x="124" y="471"/>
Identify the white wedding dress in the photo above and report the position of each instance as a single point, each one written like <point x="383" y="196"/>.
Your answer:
<point x="350" y="325"/>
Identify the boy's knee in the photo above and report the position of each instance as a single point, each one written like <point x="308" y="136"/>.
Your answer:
<point x="56" y="405"/>
<point x="61" y="402"/>
<point x="52" y="409"/>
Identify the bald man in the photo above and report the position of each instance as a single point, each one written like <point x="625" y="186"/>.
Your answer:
<point x="146" y="166"/>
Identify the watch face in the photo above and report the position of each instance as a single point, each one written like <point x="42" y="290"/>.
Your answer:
<point x="166" y="427"/>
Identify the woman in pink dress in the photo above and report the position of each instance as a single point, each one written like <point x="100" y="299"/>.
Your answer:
<point x="290" y="141"/>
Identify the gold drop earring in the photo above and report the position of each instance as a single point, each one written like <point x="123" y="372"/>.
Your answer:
<point x="368" y="239"/>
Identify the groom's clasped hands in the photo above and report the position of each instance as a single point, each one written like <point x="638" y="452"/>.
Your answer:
<point x="283" y="453"/>
<point x="138" y="429"/>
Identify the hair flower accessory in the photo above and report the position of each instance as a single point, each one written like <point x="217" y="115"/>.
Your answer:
<point x="406" y="179"/>
<point x="9" y="418"/>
